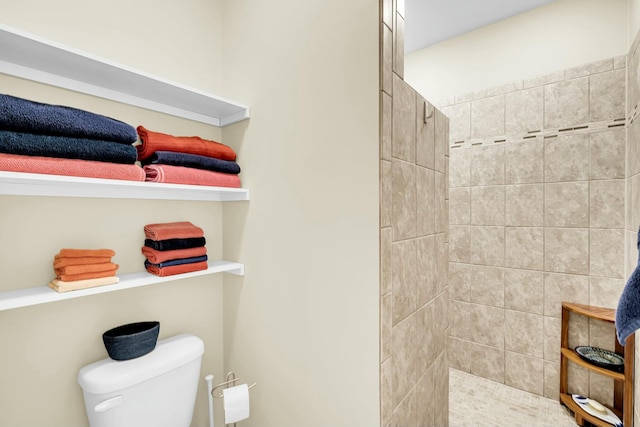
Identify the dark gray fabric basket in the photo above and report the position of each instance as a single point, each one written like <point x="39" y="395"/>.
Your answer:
<point x="132" y="340"/>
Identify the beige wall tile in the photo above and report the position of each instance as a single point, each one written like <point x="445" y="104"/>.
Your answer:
<point x="524" y="248"/>
<point x="441" y="379"/>
<point x="442" y="263"/>
<point x="524" y="290"/>
<point x="386" y="390"/>
<point x="607" y="154"/>
<point x="601" y="388"/>
<point x="566" y="250"/>
<point x="387" y="12"/>
<point x="425" y="337"/>
<point x="441" y="218"/>
<point x="487" y="117"/>
<point x="460" y="118"/>
<point x="566" y="204"/>
<point x="398" y="46"/>
<point x="385" y="261"/>
<point x="403" y="146"/>
<point x="386" y="325"/>
<point x="487" y="287"/>
<point x="425" y="397"/>
<point x="524" y="162"/>
<point x="404" y="209"/>
<point x="404" y="358"/>
<point x="589" y="69"/>
<point x="607" y="95"/>
<point x="551" y="380"/>
<point x="487" y="205"/>
<point x="460" y="318"/>
<point x="566" y="103"/>
<point x="552" y="330"/>
<point x="459" y="281"/>
<point x="459" y="244"/>
<point x="460" y="168"/>
<point x="406" y="413"/>
<point x="386" y="57"/>
<point x="487" y="165"/>
<point x="524" y="372"/>
<point x="564" y="287"/>
<point x="487" y="362"/>
<point x="459" y="354"/>
<point x="426" y="134"/>
<point x="605" y="292"/>
<point x="606" y="203"/>
<point x="578" y="379"/>
<point x="545" y="79"/>
<point x="487" y="325"/>
<point x="404" y="279"/>
<point x="427" y="288"/>
<point x="505" y="88"/>
<point x="524" y="111"/>
<point x="634" y="183"/>
<point x="602" y="334"/>
<point x="524" y="334"/>
<point x="386" y="186"/>
<point x="632" y="148"/>
<point x="606" y="255"/>
<point x="487" y="245"/>
<point x="460" y="205"/>
<point x="441" y="321"/>
<point x="524" y="205"/>
<point x="385" y="126"/>
<point x="566" y="158"/>
<point x="441" y="141"/>
<point x="426" y="200"/>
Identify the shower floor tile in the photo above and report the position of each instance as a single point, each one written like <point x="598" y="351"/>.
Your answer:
<point x="475" y="401"/>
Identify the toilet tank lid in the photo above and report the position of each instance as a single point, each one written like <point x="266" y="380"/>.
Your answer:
<point x="108" y="375"/>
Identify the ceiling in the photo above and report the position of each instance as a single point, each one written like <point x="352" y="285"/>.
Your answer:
<point x="429" y="22"/>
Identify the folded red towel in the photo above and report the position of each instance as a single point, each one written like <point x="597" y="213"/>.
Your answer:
<point x="64" y="261"/>
<point x="177" y="269"/>
<point x="190" y="176"/>
<point x="156" y="141"/>
<point x="70" y="167"/>
<point x="86" y="268"/>
<point x="83" y="253"/>
<point x="157" y="257"/>
<point x="85" y="276"/>
<point x="172" y="230"/>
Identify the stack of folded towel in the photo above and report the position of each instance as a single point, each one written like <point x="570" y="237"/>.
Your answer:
<point x="61" y="140"/>
<point x="187" y="160"/>
<point x="83" y="268"/>
<point x="174" y="248"/>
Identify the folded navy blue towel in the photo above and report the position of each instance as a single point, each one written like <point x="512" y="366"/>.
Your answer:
<point x="628" y="312"/>
<point x="195" y="161"/>
<point x="173" y="244"/>
<point x="179" y="261"/>
<point x="29" y="144"/>
<point x="23" y="115"/>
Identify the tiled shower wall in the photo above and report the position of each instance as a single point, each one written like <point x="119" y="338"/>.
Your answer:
<point x="537" y="217"/>
<point x="633" y="188"/>
<point x="414" y="368"/>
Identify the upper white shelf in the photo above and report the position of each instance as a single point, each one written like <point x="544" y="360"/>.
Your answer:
<point x="35" y="58"/>
<point x="32" y="184"/>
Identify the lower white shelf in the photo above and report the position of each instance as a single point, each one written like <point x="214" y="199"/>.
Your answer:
<point x="44" y="294"/>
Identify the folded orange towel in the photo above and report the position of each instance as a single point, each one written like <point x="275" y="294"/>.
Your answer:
<point x="86" y="268"/>
<point x="85" y="276"/>
<point x="156" y="141"/>
<point x="190" y="176"/>
<point x="172" y="230"/>
<point x="83" y="253"/>
<point x="70" y="167"/>
<point x="157" y="257"/>
<point x="64" y="261"/>
<point x="62" y="286"/>
<point x="177" y="269"/>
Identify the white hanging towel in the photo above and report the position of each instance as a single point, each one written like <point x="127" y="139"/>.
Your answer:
<point x="236" y="403"/>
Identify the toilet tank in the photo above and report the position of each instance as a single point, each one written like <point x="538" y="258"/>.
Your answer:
<point x="156" y="390"/>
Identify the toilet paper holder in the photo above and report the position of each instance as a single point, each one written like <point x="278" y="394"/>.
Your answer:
<point x="231" y="381"/>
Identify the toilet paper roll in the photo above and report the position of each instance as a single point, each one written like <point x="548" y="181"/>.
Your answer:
<point x="236" y="403"/>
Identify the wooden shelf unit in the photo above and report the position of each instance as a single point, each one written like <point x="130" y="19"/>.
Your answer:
<point x="623" y="382"/>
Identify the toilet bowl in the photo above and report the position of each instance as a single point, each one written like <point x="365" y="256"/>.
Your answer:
<point x="156" y="390"/>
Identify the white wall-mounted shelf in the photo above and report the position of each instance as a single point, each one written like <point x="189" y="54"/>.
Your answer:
<point x="43" y="294"/>
<point x="35" y="58"/>
<point x="31" y="184"/>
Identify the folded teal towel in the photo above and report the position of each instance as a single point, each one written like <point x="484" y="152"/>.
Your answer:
<point x="65" y="147"/>
<point x="628" y="312"/>
<point x="23" y="115"/>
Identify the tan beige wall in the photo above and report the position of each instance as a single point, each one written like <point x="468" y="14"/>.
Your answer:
<point x="414" y="242"/>
<point x="304" y="321"/>
<point x="556" y="36"/>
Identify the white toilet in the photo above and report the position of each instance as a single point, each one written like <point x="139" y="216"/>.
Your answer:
<point x="156" y="390"/>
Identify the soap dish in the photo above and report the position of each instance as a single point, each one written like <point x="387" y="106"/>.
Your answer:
<point x="601" y="357"/>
